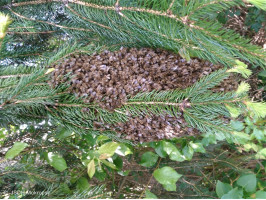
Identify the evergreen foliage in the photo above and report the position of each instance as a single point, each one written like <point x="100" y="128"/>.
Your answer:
<point x="43" y="32"/>
<point x="27" y="97"/>
<point x="179" y="26"/>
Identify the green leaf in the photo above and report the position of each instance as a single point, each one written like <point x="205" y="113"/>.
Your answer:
<point x="102" y="138"/>
<point x="261" y="154"/>
<point x="234" y="111"/>
<point x="240" y="137"/>
<point x="197" y="147"/>
<point x="15" y="150"/>
<point x="177" y="156"/>
<point x="83" y="184"/>
<point x="233" y="194"/>
<point x="172" y="151"/>
<point x="159" y="149"/>
<point x="100" y="175"/>
<point x="248" y="182"/>
<point x="111" y="165"/>
<point x="166" y="175"/>
<point x="150" y="195"/>
<point x="170" y="187"/>
<point x="63" y="133"/>
<point x="123" y="173"/>
<point x="188" y="152"/>
<point x="258" y="134"/>
<point x="148" y="159"/>
<point x="222" y="188"/>
<point x="249" y="122"/>
<point x="241" y="68"/>
<point x="57" y="161"/>
<point x="251" y="145"/>
<point x="260" y="194"/>
<point x="91" y="168"/>
<point x="123" y="150"/>
<point x="237" y="125"/>
<point x="209" y="138"/>
<point x="108" y="149"/>
<point x="168" y="147"/>
<point x="257" y="108"/>
<point x="243" y="88"/>
<point x="118" y="162"/>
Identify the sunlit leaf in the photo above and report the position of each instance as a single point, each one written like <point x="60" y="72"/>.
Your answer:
<point x="57" y="161"/>
<point x="91" y="168"/>
<point x="197" y="147"/>
<point x="108" y="149"/>
<point x="15" y="150"/>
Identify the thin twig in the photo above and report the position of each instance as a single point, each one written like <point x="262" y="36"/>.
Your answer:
<point x="14" y="76"/>
<point x="120" y="187"/>
<point x="193" y="185"/>
<point x="170" y="7"/>
<point x="146" y="186"/>
<point x="28" y="33"/>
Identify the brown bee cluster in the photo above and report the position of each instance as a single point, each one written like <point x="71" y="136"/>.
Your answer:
<point x="154" y="128"/>
<point x="109" y="78"/>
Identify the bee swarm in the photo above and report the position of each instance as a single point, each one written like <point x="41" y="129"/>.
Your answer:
<point x="108" y="78"/>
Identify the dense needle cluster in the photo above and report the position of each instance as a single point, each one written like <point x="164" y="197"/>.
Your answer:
<point x="109" y="78"/>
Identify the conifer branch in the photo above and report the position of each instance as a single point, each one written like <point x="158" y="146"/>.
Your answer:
<point x="170" y="7"/>
<point x="26" y="27"/>
<point x="86" y="19"/>
<point x="28" y="33"/>
<point x="207" y="4"/>
<point x="50" y="23"/>
<point x="28" y="173"/>
<point x="91" y="5"/>
<point x="14" y="76"/>
<point x="184" y="104"/>
<point x="202" y="31"/>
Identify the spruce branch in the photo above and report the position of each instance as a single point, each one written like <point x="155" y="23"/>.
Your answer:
<point x="27" y="33"/>
<point x="207" y="5"/>
<point x="170" y="7"/>
<point x="120" y="22"/>
<point x="14" y="76"/>
<point x="5" y="21"/>
<point x="29" y="174"/>
<point x="86" y="19"/>
<point x="50" y="23"/>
